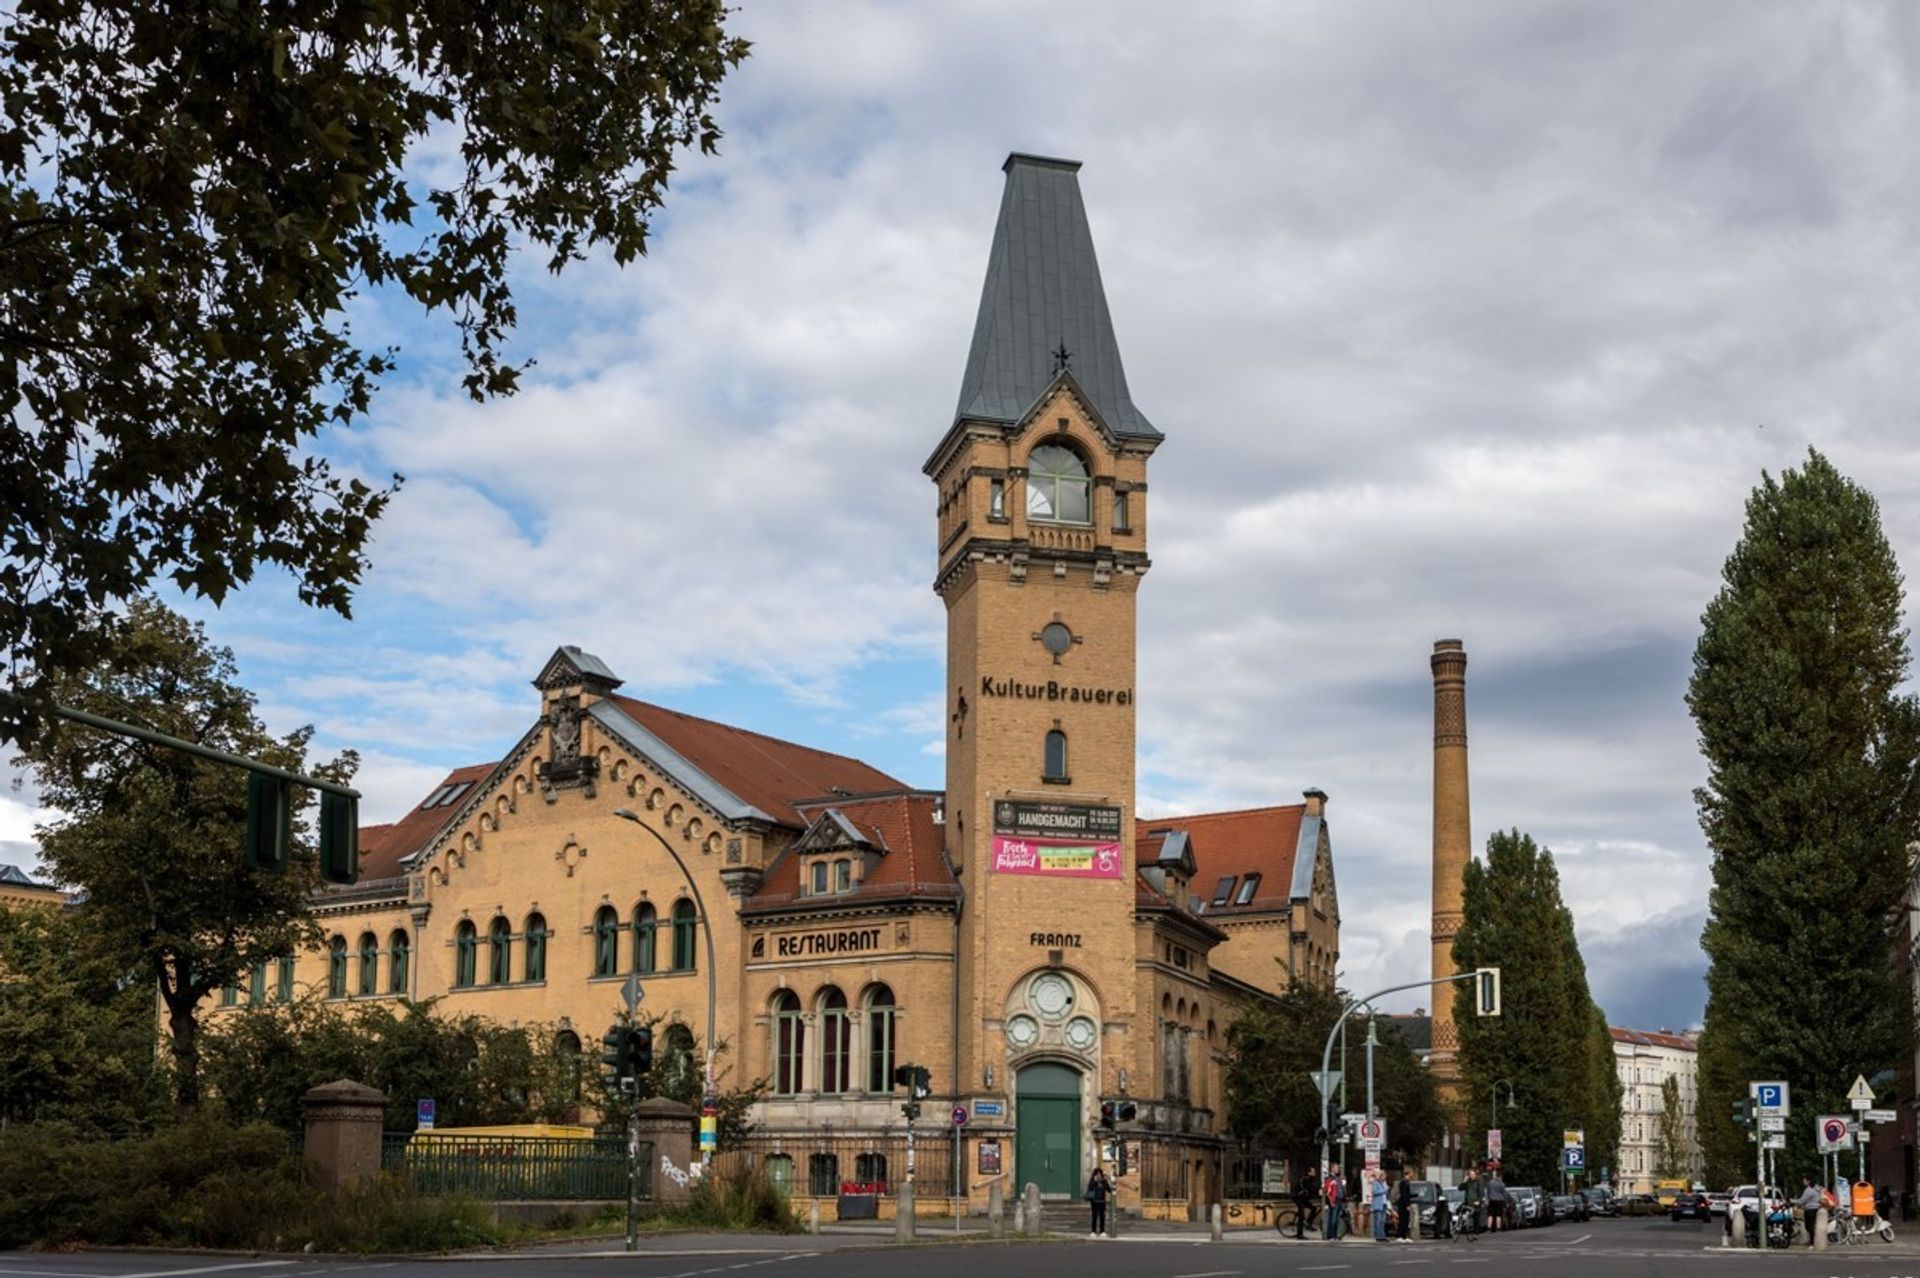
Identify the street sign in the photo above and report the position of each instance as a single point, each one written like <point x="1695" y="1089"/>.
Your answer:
<point x="1860" y="1095"/>
<point x="1773" y="1123"/>
<point x="1770" y="1098"/>
<point x="1571" y="1136"/>
<point x="423" y="1112"/>
<point x="1879" y="1116"/>
<point x="1574" y="1158"/>
<point x="1493" y="1142"/>
<point x="1774" y="1142"/>
<point x="632" y="992"/>
<point x="959" y="1115"/>
<point x="1326" y="1084"/>
<point x="989" y="1109"/>
<point x="1373" y="1131"/>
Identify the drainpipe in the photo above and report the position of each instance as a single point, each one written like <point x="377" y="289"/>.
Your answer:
<point x="959" y="1159"/>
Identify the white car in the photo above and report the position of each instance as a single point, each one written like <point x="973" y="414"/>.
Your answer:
<point x="1743" y="1195"/>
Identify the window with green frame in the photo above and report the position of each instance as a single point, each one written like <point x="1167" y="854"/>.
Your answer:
<point x="683" y="925"/>
<point x="369" y="964"/>
<point x="337" y="967"/>
<point x="229" y="994"/>
<point x="646" y="927"/>
<point x="606" y="942"/>
<point x="399" y="950"/>
<point x="499" y="952"/>
<point x="536" y="959"/>
<point x="465" y="945"/>
<point x="257" y="983"/>
<point x="284" y="992"/>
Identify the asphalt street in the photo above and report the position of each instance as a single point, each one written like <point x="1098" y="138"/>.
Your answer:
<point x="1652" y="1248"/>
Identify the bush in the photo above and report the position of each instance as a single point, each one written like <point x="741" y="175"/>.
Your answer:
<point x="745" y="1198"/>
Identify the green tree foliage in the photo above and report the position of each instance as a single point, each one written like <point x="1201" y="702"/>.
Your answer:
<point x="1670" y="1155"/>
<point x="1604" y="1118"/>
<point x="1548" y="1039"/>
<point x="192" y="197"/>
<point x="1810" y="801"/>
<point x="153" y="835"/>
<point x="1271" y="1102"/>
<point x="1729" y="1153"/>
<point x="77" y="1032"/>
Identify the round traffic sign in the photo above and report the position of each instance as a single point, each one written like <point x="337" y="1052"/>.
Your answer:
<point x="1833" y="1130"/>
<point x="1370" y="1129"/>
<point x="959" y="1115"/>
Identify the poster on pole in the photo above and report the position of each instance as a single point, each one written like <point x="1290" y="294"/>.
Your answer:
<point x="1493" y="1142"/>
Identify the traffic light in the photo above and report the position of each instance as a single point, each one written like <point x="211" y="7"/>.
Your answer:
<point x="1128" y="1111"/>
<point x="613" y="1060"/>
<point x="917" y="1079"/>
<point x="339" y="837"/>
<point x="1743" y="1111"/>
<point x="640" y="1050"/>
<point x="1486" y="991"/>
<point x="269" y="821"/>
<point x="1109" y="1114"/>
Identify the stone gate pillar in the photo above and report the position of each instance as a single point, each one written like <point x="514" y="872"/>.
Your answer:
<point x="668" y="1126"/>
<point x="344" y="1120"/>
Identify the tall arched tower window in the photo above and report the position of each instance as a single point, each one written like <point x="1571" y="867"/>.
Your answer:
<point x="606" y="941"/>
<point x="646" y="924"/>
<point x="789" y="1043"/>
<point x="1056" y="760"/>
<point x="397" y="949"/>
<point x="1058" y="486"/>
<point x="464" y="946"/>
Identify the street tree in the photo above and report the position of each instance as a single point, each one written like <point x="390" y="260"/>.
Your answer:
<point x="1810" y="803"/>
<point x="193" y="200"/>
<point x="1670" y="1154"/>
<point x="152" y="835"/>
<point x="1546" y="1040"/>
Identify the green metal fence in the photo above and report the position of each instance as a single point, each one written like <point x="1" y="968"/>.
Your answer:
<point x="515" y="1168"/>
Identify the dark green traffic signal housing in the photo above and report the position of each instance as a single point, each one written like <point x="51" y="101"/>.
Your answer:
<point x="640" y="1050"/>
<point x="339" y="838"/>
<point x="1743" y="1111"/>
<point x="269" y="821"/>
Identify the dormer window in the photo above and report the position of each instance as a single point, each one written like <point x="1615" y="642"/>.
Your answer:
<point x="1223" y="891"/>
<point x="843" y="876"/>
<point x="1248" y="887"/>
<point x="819" y="878"/>
<point x="1058" y="487"/>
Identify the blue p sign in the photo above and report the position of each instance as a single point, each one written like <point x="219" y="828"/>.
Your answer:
<point x="1769" y="1095"/>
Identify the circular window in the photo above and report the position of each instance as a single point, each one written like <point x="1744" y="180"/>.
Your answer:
<point x="1056" y="638"/>
<point x="1081" y="1034"/>
<point x="1051" y="995"/>
<point x="1023" y="1031"/>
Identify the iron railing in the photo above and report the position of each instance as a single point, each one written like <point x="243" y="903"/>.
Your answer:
<point x="808" y="1165"/>
<point x="515" y="1168"/>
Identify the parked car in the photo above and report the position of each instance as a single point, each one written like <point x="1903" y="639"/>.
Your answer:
<point x="1569" y="1207"/>
<point x="1532" y="1206"/>
<point x="1638" y="1205"/>
<point x="1691" y="1206"/>
<point x="1600" y="1201"/>
<point x="1717" y="1203"/>
<point x="1429" y="1199"/>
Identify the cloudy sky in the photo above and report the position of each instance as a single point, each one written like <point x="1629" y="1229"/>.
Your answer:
<point x="1471" y="320"/>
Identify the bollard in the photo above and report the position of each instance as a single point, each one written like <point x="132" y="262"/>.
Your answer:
<point x="1726" y="1229"/>
<point x="1036" y="1228"/>
<point x="1219" y="1230"/>
<point x="903" y="1214"/>
<point x="813" y="1217"/>
<point x="996" y="1207"/>
<point x="1019" y="1217"/>
<point x="1820" y="1230"/>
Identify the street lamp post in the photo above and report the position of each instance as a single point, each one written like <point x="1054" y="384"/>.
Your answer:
<point x="706" y="928"/>
<point x="1499" y="1083"/>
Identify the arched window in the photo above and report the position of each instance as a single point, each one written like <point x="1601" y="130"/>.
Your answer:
<point x="836" y="1041"/>
<point x="536" y="960"/>
<point x="369" y="963"/>
<point x="871" y="1169"/>
<point x="780" y="1172"/>
<point x="677" y="1064"/>
<point x="1056" y="762"/>
<point x="257" y="986"/>
<point x="499" y="952"/>
<point x="1058" y="486"/>
<point x="286" y="978"/>
<point x="337" y="967"/>
<point x="683" y="925"/>
<point x="646" y="928"/>
<point x="465" y="943"/>
<point x="606" y="942"/>
<point x="880" y="1028"/>
<point x="789" y="1043"/>
<point x="398" y="948"/>
<point x="823" y="1175"/>
<point x="566" y="1046"/>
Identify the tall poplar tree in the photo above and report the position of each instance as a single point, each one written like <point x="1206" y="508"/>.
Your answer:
<point x="1546" y="1041"/>
<point x="1810" y="802"/>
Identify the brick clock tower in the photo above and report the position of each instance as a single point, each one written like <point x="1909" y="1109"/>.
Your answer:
<point x="1041" y="484"/>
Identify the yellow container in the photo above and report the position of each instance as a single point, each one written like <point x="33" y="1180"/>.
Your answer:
<point x="548" y="1131"/>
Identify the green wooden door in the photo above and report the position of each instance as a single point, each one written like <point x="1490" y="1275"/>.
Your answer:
<point x="1047" y="1129"/>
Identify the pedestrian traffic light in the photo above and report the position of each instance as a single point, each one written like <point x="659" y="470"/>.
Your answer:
<point x="339" y="838"/>
<point x="269" y="821"/>
<point x="1109" y="1114"/>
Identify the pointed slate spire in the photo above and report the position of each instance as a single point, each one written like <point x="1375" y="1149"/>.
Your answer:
<point x="1043" y="310"/>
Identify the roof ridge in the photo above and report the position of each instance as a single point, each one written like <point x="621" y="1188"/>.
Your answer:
<point x="745" y="732"/>
<point x="1225" y="812"/>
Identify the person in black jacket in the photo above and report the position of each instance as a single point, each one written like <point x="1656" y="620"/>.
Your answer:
<point x="1302" y="1204"/>
<point x="1099" y="1190"/>
<point x="1403" y="1204"/>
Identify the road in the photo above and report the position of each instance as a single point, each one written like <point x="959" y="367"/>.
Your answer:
<point x="1637" y="1248"/>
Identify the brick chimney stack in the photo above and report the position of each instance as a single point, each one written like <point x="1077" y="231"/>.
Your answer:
<point x="1452" y="839"/>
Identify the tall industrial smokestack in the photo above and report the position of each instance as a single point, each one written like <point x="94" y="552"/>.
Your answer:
<point x="1452" y="837"/>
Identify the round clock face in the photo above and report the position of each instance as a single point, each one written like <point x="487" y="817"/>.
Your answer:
<point x="1022" y="1031"/>
<point x="1052" y="995"/>
<point x="1080" y="1033"/>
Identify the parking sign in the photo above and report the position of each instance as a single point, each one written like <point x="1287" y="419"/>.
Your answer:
<point x="1771" y="1099"/>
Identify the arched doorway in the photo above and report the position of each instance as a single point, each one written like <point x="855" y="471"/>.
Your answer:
<point x="1047" y="1128"/>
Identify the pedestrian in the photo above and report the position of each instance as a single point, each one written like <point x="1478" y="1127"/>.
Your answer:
<point x="1302" y="1204"/>
<point x="1330" y="1188"/>
<point x="1377" y="1196"/>
<point x="1473" y="1192"/>
<point x="1496" y="1202"/>
<point x="1809" y="1205"/>
<point x="1099" y="1189"/>
<point x="1881" y="1201"/>
<point x="1403" y="1204"/>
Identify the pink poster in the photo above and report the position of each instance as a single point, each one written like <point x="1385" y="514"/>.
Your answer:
<point x="1056" y="858"/>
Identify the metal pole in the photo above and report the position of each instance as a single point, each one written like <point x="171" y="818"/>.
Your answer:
<point x="1372" y="1040"/>
<point x="1760" y="1175"/>
<point x="633" y="1168"/>
<point x="706" y="928"/>
<point x="195" y="748"/>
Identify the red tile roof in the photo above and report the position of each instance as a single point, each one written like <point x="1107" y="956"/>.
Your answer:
<point x="1254" y="841"/>
<point x="1654" y="1038"/>
<point x="771" y="774"/>
<point x="914" y="862"/>
<point x="385" y="848"/>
